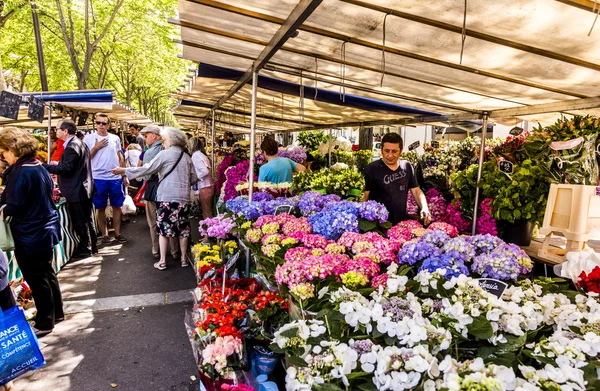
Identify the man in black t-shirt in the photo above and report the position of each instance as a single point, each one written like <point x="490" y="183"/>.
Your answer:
<point x="388" y="180"/>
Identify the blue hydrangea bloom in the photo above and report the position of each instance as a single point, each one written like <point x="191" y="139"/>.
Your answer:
<point x="332" y="225"/>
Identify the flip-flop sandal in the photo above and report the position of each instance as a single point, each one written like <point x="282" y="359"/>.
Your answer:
<point x="185" y="264"/>
<point x="160" y="266"/>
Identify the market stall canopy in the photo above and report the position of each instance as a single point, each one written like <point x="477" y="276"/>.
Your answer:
<point x="88" y="101"/>
<point x="510" y="54"/>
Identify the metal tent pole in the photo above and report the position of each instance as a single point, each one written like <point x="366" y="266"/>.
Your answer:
<point x="479" y="170"/>
<point x="329" y="146"/>
<point x="252" y="151"/>
<point x="252" y="135"/>
<point x="49" y="128"/>
<point x="212" y="149"/>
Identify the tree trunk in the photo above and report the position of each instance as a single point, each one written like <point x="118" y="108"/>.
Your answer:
<point x="2" y="81"/>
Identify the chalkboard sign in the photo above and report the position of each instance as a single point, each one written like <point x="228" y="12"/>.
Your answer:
<point x="414" y="145"/>
<point x="287" y="209"/>
<point x="35" y="111"/>
<point x="516" y="131"/>
<point x="506" y="166"/>
<point x="490" y="285"/>
<point x="9" y="104"/>
<point x="435" y="144"/>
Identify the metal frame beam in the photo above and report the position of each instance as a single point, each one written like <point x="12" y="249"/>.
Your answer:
<point x="295" y="71"/>
<point x="474" y="34"/>
<point x="555" y="107"/>
<point x="422" y="20"/>
<point x="403" y="53"/>
<point x="332" y="59"/>
<point x="298" y="15"/>
<point x="259" y="116"/>
<point x="585" y="5"/>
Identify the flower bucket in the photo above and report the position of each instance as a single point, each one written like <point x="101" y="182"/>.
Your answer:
<point x="264" y="361"/>
<point x="520" y="232"/>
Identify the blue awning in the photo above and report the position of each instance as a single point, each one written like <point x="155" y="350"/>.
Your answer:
<point x="317" y="94"/>
<point x="87" y="96"/>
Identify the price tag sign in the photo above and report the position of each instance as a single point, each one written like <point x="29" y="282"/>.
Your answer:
<point x="506" y="166"/>
<point x="516" y="131"/>
<point x="490" y="285"/>
<point x="414" y="145"/>
<point x="287" y="209"/>
<point x="435" y="144"/>
<point x="9" y="104"/>
<point x="35" y="111"/>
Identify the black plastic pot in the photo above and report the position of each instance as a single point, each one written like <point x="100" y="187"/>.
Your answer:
<point x="520" y="232"/>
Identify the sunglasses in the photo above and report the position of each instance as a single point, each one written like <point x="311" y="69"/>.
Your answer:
<point x="101" y="123"/>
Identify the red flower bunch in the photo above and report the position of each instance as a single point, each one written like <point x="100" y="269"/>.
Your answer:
<point x="224" y="311"/>
<point x="269" y="299"/>
<point x="590" y="282"/>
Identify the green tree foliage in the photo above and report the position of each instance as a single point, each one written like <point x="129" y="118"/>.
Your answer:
<point x="125" y="45"/>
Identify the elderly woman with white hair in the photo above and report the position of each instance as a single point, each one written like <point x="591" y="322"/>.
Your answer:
<point x="176" y="174"/>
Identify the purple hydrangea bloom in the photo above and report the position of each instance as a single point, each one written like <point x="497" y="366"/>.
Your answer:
<point x="438" y="238"/>
<point x="362" y="347"/>
<point x="415" y="252"/>
<point x="373" y="211"/>
<point x="271" y="206"/>
<point x="459" y="249"/>
<point x="296" y="154"/>
<point x="484" y="244"/>
<point x="498" y="266"/>
<point x="311" y="202"/>
<point x="261" y="196"/>
<point x="397" y="308"/>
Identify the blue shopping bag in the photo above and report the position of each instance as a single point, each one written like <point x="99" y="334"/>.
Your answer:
<point x="19" y="347"/>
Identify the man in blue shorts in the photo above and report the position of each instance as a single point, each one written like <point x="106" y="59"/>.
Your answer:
<point x="106" y="153"/>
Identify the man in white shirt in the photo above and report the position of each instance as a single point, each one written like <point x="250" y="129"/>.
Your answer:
<point x="106" y="153"/>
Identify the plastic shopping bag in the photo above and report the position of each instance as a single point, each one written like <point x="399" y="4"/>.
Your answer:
<point x="128" y="205"/>
<point x="19" y="348"/>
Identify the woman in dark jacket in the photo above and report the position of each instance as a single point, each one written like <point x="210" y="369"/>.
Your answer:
<point x="34" y="223"/>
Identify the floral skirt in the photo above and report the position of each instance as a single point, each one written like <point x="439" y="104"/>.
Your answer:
<point x="173" y="220"/>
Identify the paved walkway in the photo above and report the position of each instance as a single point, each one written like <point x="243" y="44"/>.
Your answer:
<point x="124" y="326"/>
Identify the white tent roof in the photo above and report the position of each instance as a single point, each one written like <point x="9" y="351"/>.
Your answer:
<point x="516" y="53"/>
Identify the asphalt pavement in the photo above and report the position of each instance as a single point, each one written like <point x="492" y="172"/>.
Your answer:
<point x="124" y="328"/>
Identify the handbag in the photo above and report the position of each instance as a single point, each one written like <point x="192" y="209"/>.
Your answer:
<point x="7" y="243"/>
<point x="151" y="188"/>
<point x="153" y="182"/>
<point x="19" y="347"/>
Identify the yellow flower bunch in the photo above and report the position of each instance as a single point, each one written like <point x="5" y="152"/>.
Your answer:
<point x="207" y="255"/>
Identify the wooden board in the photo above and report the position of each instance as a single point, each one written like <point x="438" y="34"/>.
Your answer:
<point x="557" y="242"/>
